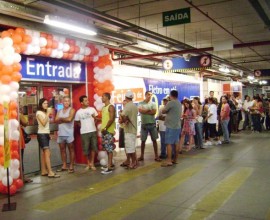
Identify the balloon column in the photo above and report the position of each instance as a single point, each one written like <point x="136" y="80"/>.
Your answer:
<point x="102" y="83"/>
<point x="14" y="42"/>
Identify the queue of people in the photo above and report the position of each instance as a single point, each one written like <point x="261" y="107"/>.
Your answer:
<point x="196" y="126"/>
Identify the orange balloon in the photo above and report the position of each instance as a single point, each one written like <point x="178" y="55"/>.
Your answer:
<point x="7" y="70"/>
<point x="2" y="161"/>
<point x="65" y="56"/>
<point x="20" y="31"/>
<point x="11" y="31"/>
<point x="13" y="105"/>
<point x="1" y="151"/>
<point x="96" y="90"/>
<point x="54" y="44"/>
<point x="42" y="34"/>
<point x="76" y="49"/>
<point x="16" y="77"/>
<point x="49" y="43"/>
<point x="70" y="56"/>
<point x="13" y="114"/>
<point x="17" y="38"/>
<point x="23" y="46"/>
<point x="49" y="36"/>
<point x="1" y="119"/>
<point x="1" y="65"/>
<point x="48" y="52"/>
<point x="95" y="82"/>
<point x="14" y="145"/>
<point x="17" y="67"/>
<point x="1" y="109"/>
<point x="5" y="34"/>
<point x="43" y="51"/>
<point x="27" y="39"/>
<point x="5" y="79"/>
<point x="15" y="155"/>
<point x="17" y="48"/>
<point x="71" y="49"/>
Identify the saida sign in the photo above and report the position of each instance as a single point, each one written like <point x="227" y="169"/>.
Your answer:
<point x="180" y="16"/>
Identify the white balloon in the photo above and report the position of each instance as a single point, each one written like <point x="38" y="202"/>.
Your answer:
<point x="14" y="124"/>
<point x="1" y="43"/>
<point x="102" y="154"/>
<point x="66" y="47"/>
<point x="62" y="39"/>
<point x="103" y="162"/>
<point x="15" y="174"/>
<point x="96" y="96"/>
<point x="8" y="60"/>
<point x="14" y="86"/>
<point x="4" y="98"/>
<point x="15" y="135"/>
<point x="1" y="130"/>
<point x="106" y="51"/>
<point x="57" y="38"/>
<point x="13" y="96"/>
<point x="36" y="49"/>
<point x="35" y="41"/>
<point x="42" y="42"/>
<point x="54" y="53"/>
<point x="5" y="181"/>
<point x="3" y="171"/>
<point x="1" y="53"/>
<point x="29" y="50"/>
<point x="15" y="164"/>
<point x="2" y="140"/>
<point x="8" y="50"/>
<point x="60" y="54"/>
<point x="17" y="58"/>
<point x="75" y="57"/>
<point x="60" y="46"/>
<point x="5" y="89"/>
<point x="7" y="41"/>
<point x="87" y="51"/>
<point x="95" y="58"/>
<point x="81" y="57"/>
<point x="83" y="43"/>
<point x="36" y="34"/>
<point x="81" y="50"/>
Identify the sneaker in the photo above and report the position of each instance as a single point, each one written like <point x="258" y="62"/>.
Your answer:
<point x="225" y="142"/>
<point x="107" y="171"/>
<point x="219" y="142"/>
<point x="104" y="168"/>
<point x="208" y="143"/>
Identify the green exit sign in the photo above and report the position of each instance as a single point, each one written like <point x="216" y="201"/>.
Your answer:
<point x="180" y="16"/>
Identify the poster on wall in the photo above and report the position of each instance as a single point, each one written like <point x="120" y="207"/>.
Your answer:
<point x="159" y="88"/>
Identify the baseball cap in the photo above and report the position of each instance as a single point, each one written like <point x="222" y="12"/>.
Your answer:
<point x="129" y="95"/>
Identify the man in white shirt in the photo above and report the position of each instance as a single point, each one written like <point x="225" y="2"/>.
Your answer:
<point x="85" y="117"/>
<point x="212" y="120"/>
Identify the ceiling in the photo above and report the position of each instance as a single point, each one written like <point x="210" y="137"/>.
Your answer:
<point x="125" y="25"/>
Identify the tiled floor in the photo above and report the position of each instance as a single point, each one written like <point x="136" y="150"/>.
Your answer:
<point x="220" y="182"/>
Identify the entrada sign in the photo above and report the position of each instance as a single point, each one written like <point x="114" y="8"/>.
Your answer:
<point x="180" y="16"/>
<point x="52" y="70"/>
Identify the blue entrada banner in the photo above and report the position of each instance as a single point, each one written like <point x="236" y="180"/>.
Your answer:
<point x="35" y="68"/>
<point x="180" y="64"/>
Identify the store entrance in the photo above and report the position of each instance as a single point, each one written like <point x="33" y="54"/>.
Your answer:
<point x="29" y="96"/>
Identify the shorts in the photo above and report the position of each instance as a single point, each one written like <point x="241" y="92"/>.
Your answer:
<point x="43" y="141"/>
<point x="108" y="142"/>
<point x="89" y="140"/>
<point x="172" y="135"/>
<point x="213" y="130"/>
<point x="65" y="139"/>
<point x="130" y="142"/>
<point x="151" y="129"/>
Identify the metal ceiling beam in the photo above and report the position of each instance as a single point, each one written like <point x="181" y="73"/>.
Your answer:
<point x="260" y="11"/>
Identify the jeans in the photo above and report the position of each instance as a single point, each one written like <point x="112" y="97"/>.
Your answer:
<point x="267" y="121"/>
<point x="198" y="138"/>
<point x="256" y="122"/>
<point x="225" y="130"/>
<point x="162" y="144"/>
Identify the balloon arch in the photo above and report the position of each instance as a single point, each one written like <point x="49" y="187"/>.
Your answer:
<point x="14" y="42"/>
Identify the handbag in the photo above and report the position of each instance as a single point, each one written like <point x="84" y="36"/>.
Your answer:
<point x="27" y="137"/>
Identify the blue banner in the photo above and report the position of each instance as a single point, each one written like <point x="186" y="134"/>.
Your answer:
<point x="162" y="88"/>
<point x="188" y="62"/>
<point x="35" y="68"/>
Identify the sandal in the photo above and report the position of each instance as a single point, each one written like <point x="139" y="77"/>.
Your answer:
<point x="54" y="176"/>
<point x="140" y="159"/>
<point x="158" y="159"/>
<point x="71" y="171"/>
<point x="124" y="164"/>
<point x="174" y="162"/>
<point x="27" y="180"/>
<point x="131" y="167"/>
<point x="166" y="165"/>
<point x="62" y="170"/>
<point x="45" y="174"/>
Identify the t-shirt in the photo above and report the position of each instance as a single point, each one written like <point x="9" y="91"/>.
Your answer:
<point x="43" y="129"/>
<point x="161" y="123"/>
<point x="65" y="129"/>
<point x="212" y="110"/>
<point x="131" y="111"/>
<point x="146" y="118"/>
<point x="225" y="112"/>
<point x="84" y="115"/>
<point x="173" y="114"/>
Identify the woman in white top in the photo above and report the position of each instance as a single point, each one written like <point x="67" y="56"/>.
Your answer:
<point x="43" y="137"/>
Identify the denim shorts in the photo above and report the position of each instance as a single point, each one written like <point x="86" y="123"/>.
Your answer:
<point x="172" y="135"/>
<point x="89" y="140"/>
<point x="65" y="139"/>
<point x="43" y="141"/>
<point x="151" y="129"/>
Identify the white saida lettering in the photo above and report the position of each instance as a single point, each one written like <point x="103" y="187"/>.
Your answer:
<point x="30" y="67"/>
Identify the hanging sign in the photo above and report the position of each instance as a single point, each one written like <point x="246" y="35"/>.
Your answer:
<point x="179" y="64"/>
<point x="36" y="68"/>
<point x="262" y="73"/>
<point x="175" y="17"/>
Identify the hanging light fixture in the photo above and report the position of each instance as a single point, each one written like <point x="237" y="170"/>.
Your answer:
<point x="56" y="22"/>
<point x="224" y="69"/>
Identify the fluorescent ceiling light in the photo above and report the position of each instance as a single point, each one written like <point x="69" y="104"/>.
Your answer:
<point x="53" y="21"/>
<point x="150" y="46"/>
<point x="224" y="69"/>
<point x="250" y="77"/>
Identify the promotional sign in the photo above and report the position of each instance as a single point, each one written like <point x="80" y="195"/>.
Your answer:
<point x="179" y="64"/>
<point x="262" y="73"/>
<point x="37" y="68"/>
<point x="175" y="17"/>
